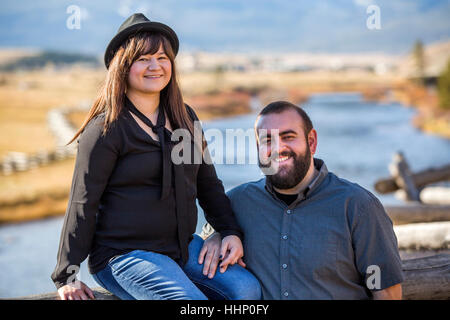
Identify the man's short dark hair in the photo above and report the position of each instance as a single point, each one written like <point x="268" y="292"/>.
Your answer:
<point x="280" y="106"/>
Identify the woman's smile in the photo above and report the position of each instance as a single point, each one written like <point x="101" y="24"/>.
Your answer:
<point x="153" y="76"/>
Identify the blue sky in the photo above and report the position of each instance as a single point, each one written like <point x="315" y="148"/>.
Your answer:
<point x="231" y="25"/>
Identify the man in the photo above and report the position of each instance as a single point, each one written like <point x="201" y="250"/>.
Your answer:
<point x="307" y="233"/>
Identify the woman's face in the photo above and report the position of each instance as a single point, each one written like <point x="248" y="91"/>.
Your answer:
<point x="150" y="73"/>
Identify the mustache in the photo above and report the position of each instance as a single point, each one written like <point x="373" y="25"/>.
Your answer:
<point x="286" y="154"/>
<point x="274" y="155"/>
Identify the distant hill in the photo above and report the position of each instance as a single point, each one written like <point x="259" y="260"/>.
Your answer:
<point x="19" y="59"/>
<point x="9" y="55"/>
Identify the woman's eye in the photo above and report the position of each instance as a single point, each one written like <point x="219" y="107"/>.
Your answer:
<point x="142" y="59"/>
<point x="162" y="58"/>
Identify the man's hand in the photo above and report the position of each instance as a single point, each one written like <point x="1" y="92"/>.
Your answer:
<point x="209" y="255"/>
<point x="76" y="291"/>
<point x="231" y="252"/>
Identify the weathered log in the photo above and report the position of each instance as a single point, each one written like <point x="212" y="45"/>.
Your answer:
<point x="99" y="293"/>
<point x="402" y="175"/>
<point x="415" y="213"/>
<point x="417" y="236"/>
<point x="425" y="278"/>
<point x="421" y="179"/>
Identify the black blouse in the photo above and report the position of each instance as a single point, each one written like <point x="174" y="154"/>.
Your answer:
<point x="115" y="203"/>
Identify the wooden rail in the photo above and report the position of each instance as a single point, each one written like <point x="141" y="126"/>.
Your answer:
<point x="426" y="278"/>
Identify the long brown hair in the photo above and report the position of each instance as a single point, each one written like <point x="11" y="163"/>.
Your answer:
<point x="110" y="98"/>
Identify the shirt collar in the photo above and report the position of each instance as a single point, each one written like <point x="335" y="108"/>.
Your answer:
<point x="319" y="164"/>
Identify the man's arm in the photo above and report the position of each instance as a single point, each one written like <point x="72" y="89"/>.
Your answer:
<point x="391" y="293"/>
<point x="375" y="245"/>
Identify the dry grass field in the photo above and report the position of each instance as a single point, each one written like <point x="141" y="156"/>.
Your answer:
<point x="26" y="97"/>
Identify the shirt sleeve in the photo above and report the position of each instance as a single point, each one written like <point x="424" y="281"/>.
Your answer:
<point x="96" y="158"/>
<point x="212" y="198"/>
<point x="375" y="244"/>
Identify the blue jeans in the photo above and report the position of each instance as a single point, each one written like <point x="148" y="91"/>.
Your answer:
<point x="145" y="275"/>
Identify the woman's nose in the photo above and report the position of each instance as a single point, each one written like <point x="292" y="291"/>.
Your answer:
<point x="153" y="64"/>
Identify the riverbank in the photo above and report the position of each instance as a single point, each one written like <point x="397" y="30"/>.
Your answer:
<point x="430" y="117"/>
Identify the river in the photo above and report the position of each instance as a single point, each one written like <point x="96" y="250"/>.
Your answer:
<point x="356" y="139"/>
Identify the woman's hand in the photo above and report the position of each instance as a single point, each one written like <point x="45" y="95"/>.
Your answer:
<point x="76" y="291"/>
<point x="209" y="254"/>
<point x="231" y="252"/>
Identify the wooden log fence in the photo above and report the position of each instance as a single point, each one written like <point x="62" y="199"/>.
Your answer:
<point x="420" y="179"/>
<point x="402" y="175"/>
<point x="426" y="278"/>
<point x="62" y="130"/>
<point x="417" y="212"/>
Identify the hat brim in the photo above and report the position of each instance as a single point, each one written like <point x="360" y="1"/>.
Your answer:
<point x="150" y="26"/>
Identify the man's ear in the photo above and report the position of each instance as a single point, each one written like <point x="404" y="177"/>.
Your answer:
<point x="312" y="141"/>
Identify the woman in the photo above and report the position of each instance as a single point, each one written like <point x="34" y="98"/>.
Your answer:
<point x="131" y="208"/>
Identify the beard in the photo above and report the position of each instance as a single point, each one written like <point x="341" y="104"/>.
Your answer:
<point x="289" y="176"/>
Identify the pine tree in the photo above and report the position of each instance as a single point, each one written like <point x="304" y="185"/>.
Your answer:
<point x="444" y="87"/>
<point x="419" y="58"/>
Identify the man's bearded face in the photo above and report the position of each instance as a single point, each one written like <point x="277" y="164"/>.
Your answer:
<point x="292" y="168"/>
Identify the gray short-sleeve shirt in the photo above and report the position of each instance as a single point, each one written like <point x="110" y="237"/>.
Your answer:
<point x="324" y="245"/>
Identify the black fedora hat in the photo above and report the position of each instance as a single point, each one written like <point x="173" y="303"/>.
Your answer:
<point x="134" y="24"/>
